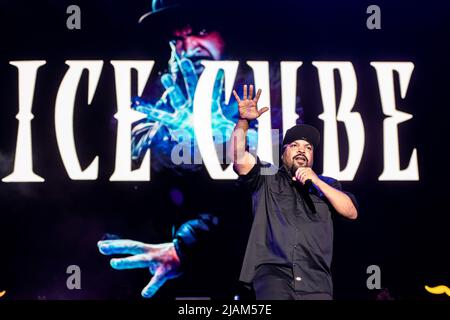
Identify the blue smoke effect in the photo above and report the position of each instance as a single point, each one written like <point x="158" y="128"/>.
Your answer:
<point x="170" y="120"/>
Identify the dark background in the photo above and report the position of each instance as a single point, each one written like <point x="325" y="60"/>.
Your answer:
<point x="45" y="227"/>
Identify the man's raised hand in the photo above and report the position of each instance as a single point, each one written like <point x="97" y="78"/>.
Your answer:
<point x="248" y="106"/>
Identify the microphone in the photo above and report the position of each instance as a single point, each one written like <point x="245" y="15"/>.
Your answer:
<point x="308" y="183"/>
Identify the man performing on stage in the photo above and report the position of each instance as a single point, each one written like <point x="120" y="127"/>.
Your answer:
<point x="290" y="247"/>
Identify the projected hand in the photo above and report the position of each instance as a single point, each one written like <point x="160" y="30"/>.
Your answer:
<point x="247" y="106"/>
<point x="161" y="259"/>
<point x="158" y="115"/>
<point x="173" y="112"/>
<point x="189" y="77"/>
<point x="174" y="106"/>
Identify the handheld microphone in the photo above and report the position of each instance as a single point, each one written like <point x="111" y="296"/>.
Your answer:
<point x="308" y="183"/>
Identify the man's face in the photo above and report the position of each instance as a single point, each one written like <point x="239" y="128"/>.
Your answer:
<point x="198" y="45"/>
<point x="299" y="153"/>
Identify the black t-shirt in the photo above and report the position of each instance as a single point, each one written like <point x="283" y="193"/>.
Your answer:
<point x="292" y="227"/>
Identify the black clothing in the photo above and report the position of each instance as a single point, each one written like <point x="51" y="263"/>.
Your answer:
<point x="192" y="234"/>
<point x="292" y="227"/>
<point x="274" y="282"/>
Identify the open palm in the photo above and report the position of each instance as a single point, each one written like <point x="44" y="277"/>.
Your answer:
<point x="248" y="106"/>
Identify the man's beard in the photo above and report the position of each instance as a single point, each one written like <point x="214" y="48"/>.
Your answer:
<point x="295" y="164"/>
<point x="294" y="167"/>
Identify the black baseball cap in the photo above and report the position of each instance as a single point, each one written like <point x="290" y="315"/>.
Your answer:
<point x="302" y="132"/>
